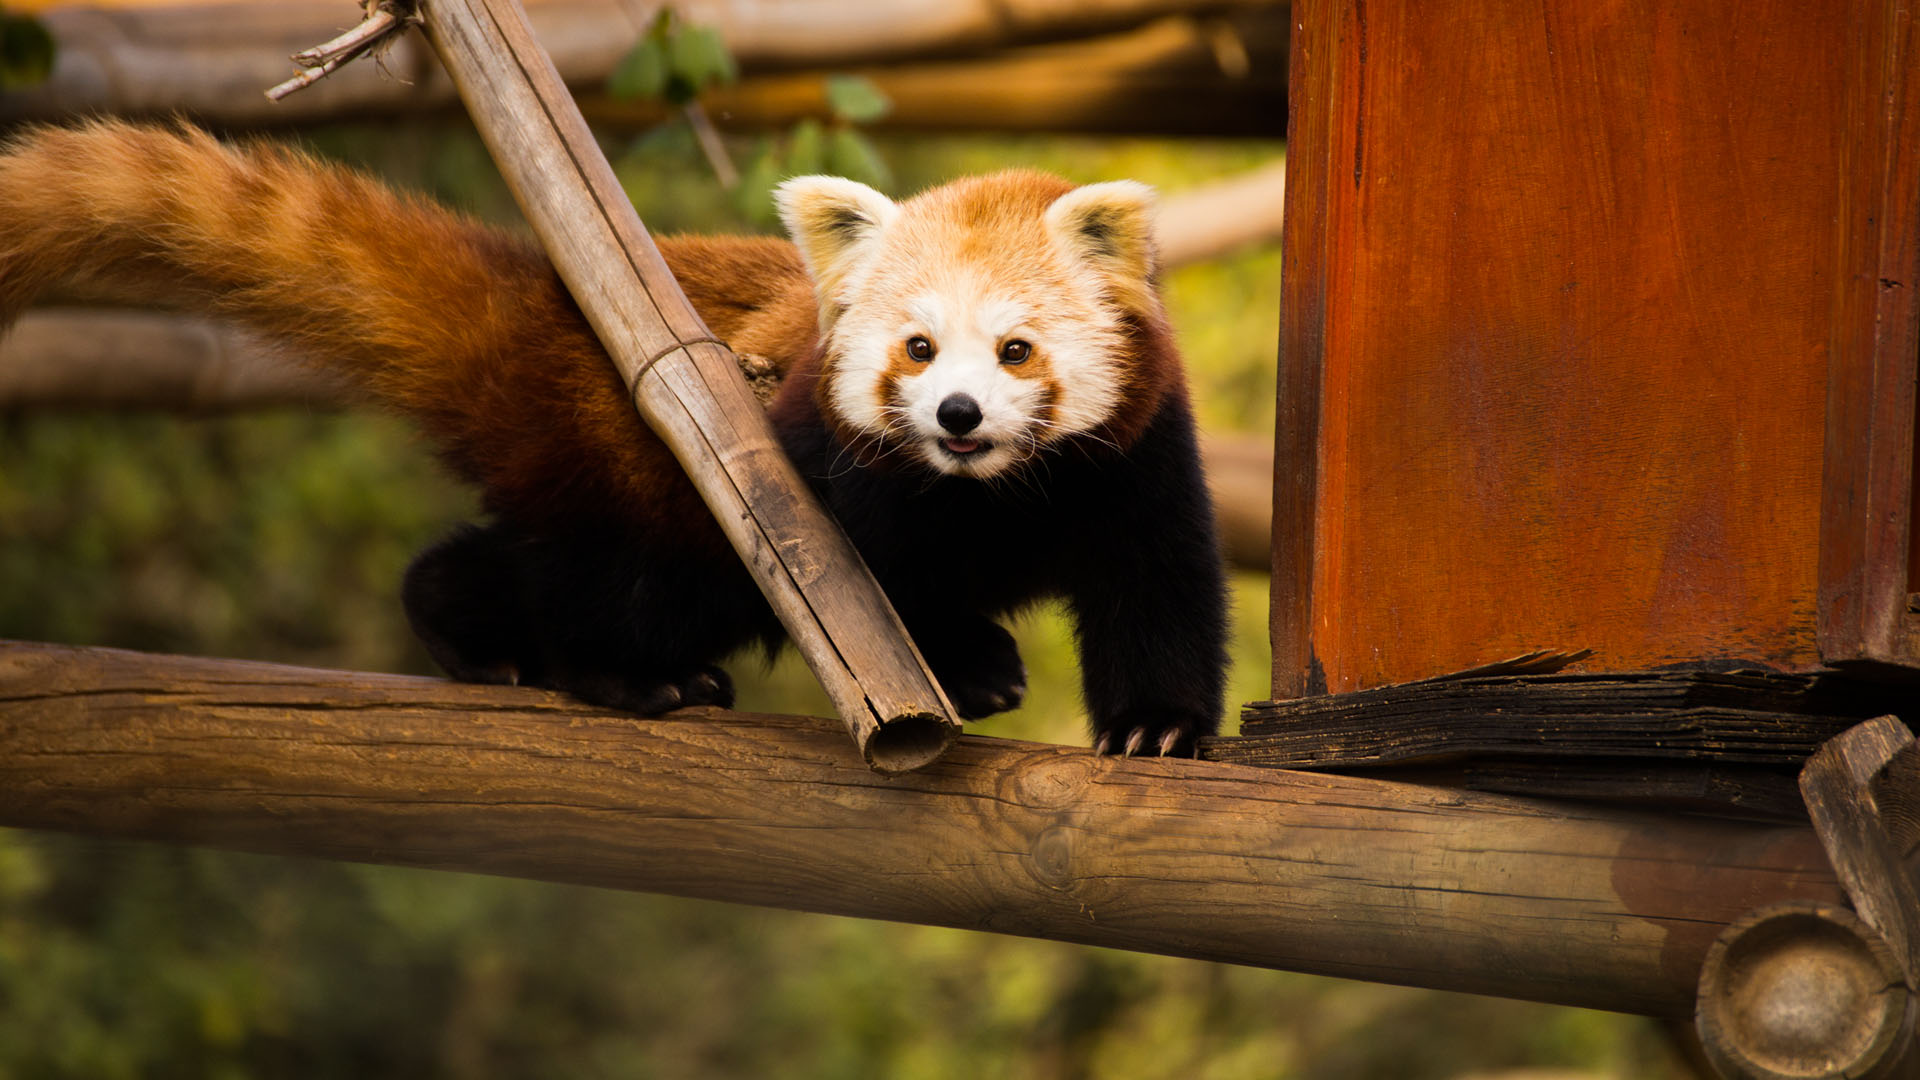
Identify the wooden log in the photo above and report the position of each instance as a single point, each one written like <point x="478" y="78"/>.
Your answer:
<point x="688" y="386"/>
<point x="1164" y="77"/>
<point x="1837" y="785"/>
<point x="212" y="60"/>
<point x="86" y="357"/>
<point x="1804" y="990"/>
<point x="113" y="358"/>
<point x="1334" y="875"/>
<point x="1223" y="217"/>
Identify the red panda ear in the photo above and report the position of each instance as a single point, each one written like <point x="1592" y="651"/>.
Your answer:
<point x="1109" y="228"/>
<point x="834" y="222"/>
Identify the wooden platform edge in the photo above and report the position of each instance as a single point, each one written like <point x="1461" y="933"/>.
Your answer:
<point x="1326" y="874"/>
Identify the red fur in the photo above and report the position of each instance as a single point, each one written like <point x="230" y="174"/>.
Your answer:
<point x="464" y="328"/>
<point x="468" y="331"/>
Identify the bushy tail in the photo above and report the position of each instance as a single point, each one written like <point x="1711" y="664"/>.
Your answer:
<point x="466" y="329"/>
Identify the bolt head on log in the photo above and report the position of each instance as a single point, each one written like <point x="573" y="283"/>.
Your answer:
<point x="1803" y="990"/>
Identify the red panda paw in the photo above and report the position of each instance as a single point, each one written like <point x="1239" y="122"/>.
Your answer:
<point x="651" y="695"/>
<point x="977" y="662"/>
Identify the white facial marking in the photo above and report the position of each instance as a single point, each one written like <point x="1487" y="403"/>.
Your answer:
<point x="922" y="275"/>
<point x="925" y="316"/>
<point x="1000" y="318"/>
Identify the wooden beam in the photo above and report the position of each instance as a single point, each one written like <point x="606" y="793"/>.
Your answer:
<point x="1167" y="76"/>
<point x="117" y="358"/>
<point x="125" y="358"/>
<point x="211" y="61"/>
<point x="687" y="385"/>
<point x="1334" y="875"/>
<point x="1223" y="217"/>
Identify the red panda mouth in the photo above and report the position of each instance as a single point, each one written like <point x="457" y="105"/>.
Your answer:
<point x="963" y="447"/>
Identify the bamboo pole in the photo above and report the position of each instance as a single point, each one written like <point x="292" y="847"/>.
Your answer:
<point x="688" y="387"/>
<point x="1334" y="875"/>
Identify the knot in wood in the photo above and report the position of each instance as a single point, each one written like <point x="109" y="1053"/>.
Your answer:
<point x="1052" y="861"/>
<point x="1052" y="779"/>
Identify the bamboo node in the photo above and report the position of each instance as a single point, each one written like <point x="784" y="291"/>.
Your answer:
<point x="647" y="364"/>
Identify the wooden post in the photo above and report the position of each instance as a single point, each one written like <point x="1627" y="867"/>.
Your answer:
<point x="1838" y="783"/>
<point x="688" y="387"/>
<point x="1597" y="333"/>
<point x="1359" y="878"/>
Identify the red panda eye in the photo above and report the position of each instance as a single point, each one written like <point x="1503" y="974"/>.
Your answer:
<point x="920" y="348"/>
<point x="1015" y="352"/>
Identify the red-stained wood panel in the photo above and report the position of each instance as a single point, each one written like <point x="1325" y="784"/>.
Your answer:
<point x="1869" y="562"/>
<point x="1561" y="295"/>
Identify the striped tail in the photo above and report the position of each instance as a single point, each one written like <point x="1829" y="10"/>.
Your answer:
<point x="465" y="329"/>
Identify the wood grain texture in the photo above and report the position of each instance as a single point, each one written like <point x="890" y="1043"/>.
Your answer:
<point x="1896" y="794"/>
<point x="1837" y="786"/>
<point x="1751" y="718"/>
<point x="1566" y="274"/>
<point x="1314" y="104"/>
<point x="1335" y="875"/>
<point x="1869" y="558"/>
<point x="688" y="386"/>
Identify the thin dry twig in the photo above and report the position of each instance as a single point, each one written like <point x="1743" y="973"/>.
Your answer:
<point x="384" y="19"/>
<point x="711" y="145"/>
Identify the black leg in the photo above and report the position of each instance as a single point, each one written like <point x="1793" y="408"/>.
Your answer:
<point x="626" y="627"/>
<point x="462" y="597"/>
<point x="976" y="661"/>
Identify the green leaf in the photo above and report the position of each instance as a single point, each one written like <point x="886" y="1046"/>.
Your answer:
<point x="671" y="139"/>
<point x="855" y="99"/>
<point x="26" y="51"/>
<point x="806" y="149"/>
<point x="699" y="55"/>
<point x="642" y="73"/>
<point x="849" y="154"/>
<point x="754" y="197"/>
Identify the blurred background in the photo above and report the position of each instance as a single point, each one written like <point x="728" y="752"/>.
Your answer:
<point x="257" y="520"/>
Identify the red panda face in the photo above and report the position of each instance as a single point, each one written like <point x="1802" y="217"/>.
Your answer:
<point x="977" y="325"/>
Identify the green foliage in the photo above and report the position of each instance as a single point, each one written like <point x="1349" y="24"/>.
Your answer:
<point x="642" y="73"/>
<point x="673" y="62"/>
<point x="854" y="99"/>
<point x="26" y="51"/>
<point x="282" y="536"/>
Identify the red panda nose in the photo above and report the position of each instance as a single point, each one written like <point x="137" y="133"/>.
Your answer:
<point x="958" y="414"/>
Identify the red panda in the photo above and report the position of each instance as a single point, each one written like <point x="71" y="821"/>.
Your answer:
<point x="979" y="381"/>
